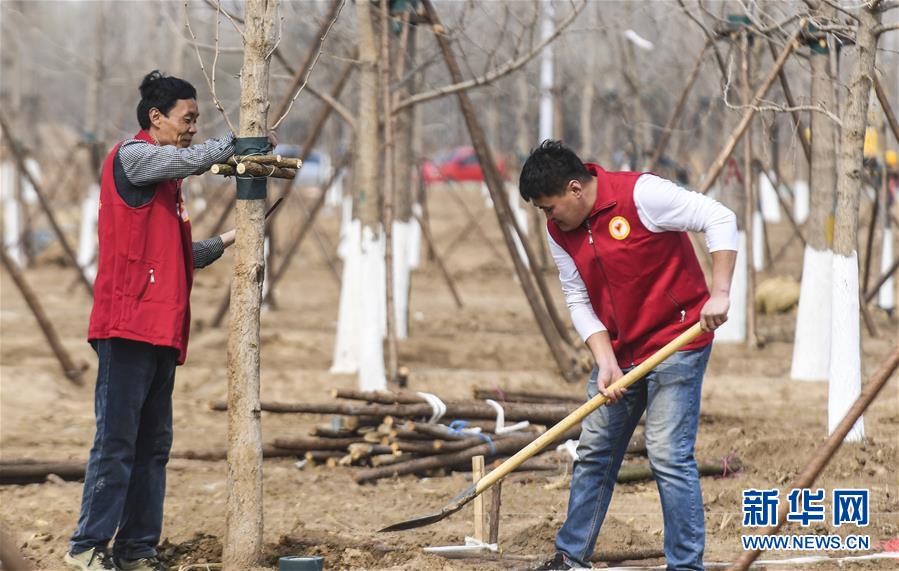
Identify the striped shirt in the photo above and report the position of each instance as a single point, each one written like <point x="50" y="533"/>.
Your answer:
<point x="142" y="165"/>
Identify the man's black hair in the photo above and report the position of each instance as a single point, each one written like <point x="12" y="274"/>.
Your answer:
<point x="161" y="92"/>
<point x="548" y="170"/>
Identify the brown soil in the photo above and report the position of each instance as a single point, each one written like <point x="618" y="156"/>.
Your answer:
<point x="751" y="410"/>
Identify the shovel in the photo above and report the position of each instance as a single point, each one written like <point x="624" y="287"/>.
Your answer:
<point x="549" y="436"/>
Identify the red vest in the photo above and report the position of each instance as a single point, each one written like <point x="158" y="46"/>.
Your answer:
<point x="646" y="287"/>
<point x="144" y="266"/>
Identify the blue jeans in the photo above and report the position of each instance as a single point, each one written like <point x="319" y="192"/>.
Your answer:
<point x="670" y="395"/>
<point x="124" y="484"/>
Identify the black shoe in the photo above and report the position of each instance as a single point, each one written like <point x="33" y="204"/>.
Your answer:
<point x="560" y="561"/>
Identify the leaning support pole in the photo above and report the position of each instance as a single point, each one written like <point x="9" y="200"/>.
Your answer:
<point x="885" y="105"/>
<point x="716" y="167"/>
<point x="507" y="222"/>
<point x="426" y="233"/>
<point x="678" y="110"/>
<point x="45" y="204"/>
<point x="243" y="530"/>
<point x="71" y="371"/>
<point x="788" y="95"/>
<point x="819" y="461"/>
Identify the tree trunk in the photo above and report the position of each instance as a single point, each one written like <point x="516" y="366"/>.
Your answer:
<point x="244" y="523"/>
<point x="845" y="347"/>
<point x="749" y="210"/>
<point x="811" y="347"/>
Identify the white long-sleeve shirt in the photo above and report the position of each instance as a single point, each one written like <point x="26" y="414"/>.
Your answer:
<point x="662" y="206"/>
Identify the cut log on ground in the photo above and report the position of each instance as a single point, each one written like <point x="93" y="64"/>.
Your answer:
<point x="543" y="414"/>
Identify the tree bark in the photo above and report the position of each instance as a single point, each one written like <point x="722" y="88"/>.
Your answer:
<point x="749" y="195"/>
<point x="389" y="189"/>
<point x="244" y="519"/>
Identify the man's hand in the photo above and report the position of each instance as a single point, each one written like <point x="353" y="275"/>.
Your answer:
<point x="714" y="313"/>
<point x="609" y="373"/>
<point x="228" y="237"/>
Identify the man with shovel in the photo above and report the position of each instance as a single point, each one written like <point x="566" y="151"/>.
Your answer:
<point x="632" y="284"/>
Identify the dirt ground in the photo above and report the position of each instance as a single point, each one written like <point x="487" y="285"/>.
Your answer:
<point x="751" y="411"/>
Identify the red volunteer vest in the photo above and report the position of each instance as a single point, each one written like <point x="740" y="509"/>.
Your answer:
<point x="144" y="266"/>
<point x="646" y="287"/>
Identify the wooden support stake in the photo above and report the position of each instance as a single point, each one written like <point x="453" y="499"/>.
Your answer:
<point x="717" y="165"/>
<point x="69" y="369"/>
<point x="271" y="160"/>
<point x="480" y="514"/>
<point x="882" y="280"/>
<point x="432" y="248"/>
<point x="788" y="95"/>
<point x="544" y="309"/>
<point x="665" y="136"/>
<point x="496" y="495"/>
<point x="271" y="171"/>
<point x="45" y="204"/>
<point x="885" y="105"/>
<point x="827" y="450"/>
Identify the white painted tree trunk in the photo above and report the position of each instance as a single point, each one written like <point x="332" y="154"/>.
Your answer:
<point x="11" y="222"/>
<point x="768" y="198"/>
<point x="87" y="235"/>
<point x="372" y="296"/>
<point x="346" y="345"/>
<point x="811" y="350"/>
<point x="758" y="242"/>
<point x="415" y="238"/>
<point x="800" y="201"/>
<point x="734" y="329"/>
<point x="265" y="250"/>
<point x="845" y="346"/>
<point x="335" y="193"/>
<point x="401" y="277"/>
<point x="521" y="216"/>
<point x="29" y="195"/>
<point x="346" y="227"/>
<point x="886" y="296"/>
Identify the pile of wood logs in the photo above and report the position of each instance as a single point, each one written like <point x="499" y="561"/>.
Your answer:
<point x="274" y="166"/>
<point x="389" y="433"/>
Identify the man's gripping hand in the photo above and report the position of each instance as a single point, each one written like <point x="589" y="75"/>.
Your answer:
<point x="714" y="313"/>
<point x="609" y="373"/>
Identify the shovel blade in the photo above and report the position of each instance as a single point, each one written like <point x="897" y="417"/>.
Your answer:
<point x="423" y="520"/>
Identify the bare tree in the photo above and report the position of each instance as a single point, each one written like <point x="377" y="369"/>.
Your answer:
<point x="243" y="536"/>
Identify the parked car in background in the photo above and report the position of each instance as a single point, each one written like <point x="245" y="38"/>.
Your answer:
<point x="316" y="168"/>
<point x="457" y="165"/>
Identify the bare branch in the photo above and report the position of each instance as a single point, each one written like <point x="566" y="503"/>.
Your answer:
<point x="882" y="29"/>
<point x="709" y="36"/>
<point x="775" y="107"/>
<point x="496" y="73"/>
<point x="209" y="82"/>
<point x="217" y="5"/>
<point x="318" y="54"/>
<point x="338" y="107"/>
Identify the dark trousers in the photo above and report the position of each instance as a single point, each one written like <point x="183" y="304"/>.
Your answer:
<point x="124" y="484"/>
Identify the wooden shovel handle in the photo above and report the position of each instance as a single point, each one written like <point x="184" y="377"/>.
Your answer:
<point x="582" y="411"/>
